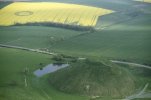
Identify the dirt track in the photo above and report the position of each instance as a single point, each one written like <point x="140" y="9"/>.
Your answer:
<point x="130" y="63"/>
<point x="50" y="53"/>
<point x="27" y="49"/>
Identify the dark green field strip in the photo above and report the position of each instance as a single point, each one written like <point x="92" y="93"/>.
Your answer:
<point x="3" y="4"/>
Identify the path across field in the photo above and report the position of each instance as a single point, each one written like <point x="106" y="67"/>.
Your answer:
<point x="28" y="49"/>
<point x="130" y="63"/>
<point x="141" y="94"/>
<point x="51" y="53"/>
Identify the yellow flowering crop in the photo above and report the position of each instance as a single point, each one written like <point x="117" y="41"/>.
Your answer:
<point x="147" y="1"/>
<point x="31" y="12"/>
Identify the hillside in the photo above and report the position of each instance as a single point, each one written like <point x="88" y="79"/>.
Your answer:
<point x="106" y="44"/>
<point x="94" y="79"/>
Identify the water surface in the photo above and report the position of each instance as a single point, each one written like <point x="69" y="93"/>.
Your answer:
<point x="49" y="69"/>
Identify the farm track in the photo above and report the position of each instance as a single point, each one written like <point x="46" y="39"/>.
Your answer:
<point x="141" y="94"/>
<point x="27" y="49"/>
<point x="51" y="53"/>
<point x="128" y="12"/>
<point x="120" y="21"/>
<point x="112" y="24"/>
<point x="130" y="63"/>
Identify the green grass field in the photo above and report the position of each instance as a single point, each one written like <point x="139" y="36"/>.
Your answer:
<point x="102" y="78"/>
<point x="13" y="63"/>
<point x="123" y="35"/>
<point x="130" y="41"/>
<point x="126" y="34"/>
<point x="34" y="36"/>
<point x="12" y="87"/>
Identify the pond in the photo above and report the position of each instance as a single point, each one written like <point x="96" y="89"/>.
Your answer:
<point x="49" y="69"/>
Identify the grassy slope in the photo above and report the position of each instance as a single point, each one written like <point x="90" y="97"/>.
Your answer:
<point x="143" y="75"/>
<point x="119" y="41"/>
<point x="130" y="41"/>
<point x="106" y="80"/>
<point x="77" y="47"/>
<point x="34" y="36"/>
<point x="12" y="65"/>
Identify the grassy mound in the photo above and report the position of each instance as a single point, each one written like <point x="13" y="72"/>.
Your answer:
<point x="94" y="78"/>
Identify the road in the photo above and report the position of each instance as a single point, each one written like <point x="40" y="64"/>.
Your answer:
<point x="141" y="94"/>
<point x="130" y="63"/>
<point x="51" y="53"/>
<point x="27" y="49"/>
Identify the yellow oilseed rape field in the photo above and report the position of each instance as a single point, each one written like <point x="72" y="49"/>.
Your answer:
<point x="61" y="13"/>
<point x="147" y="1"/>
